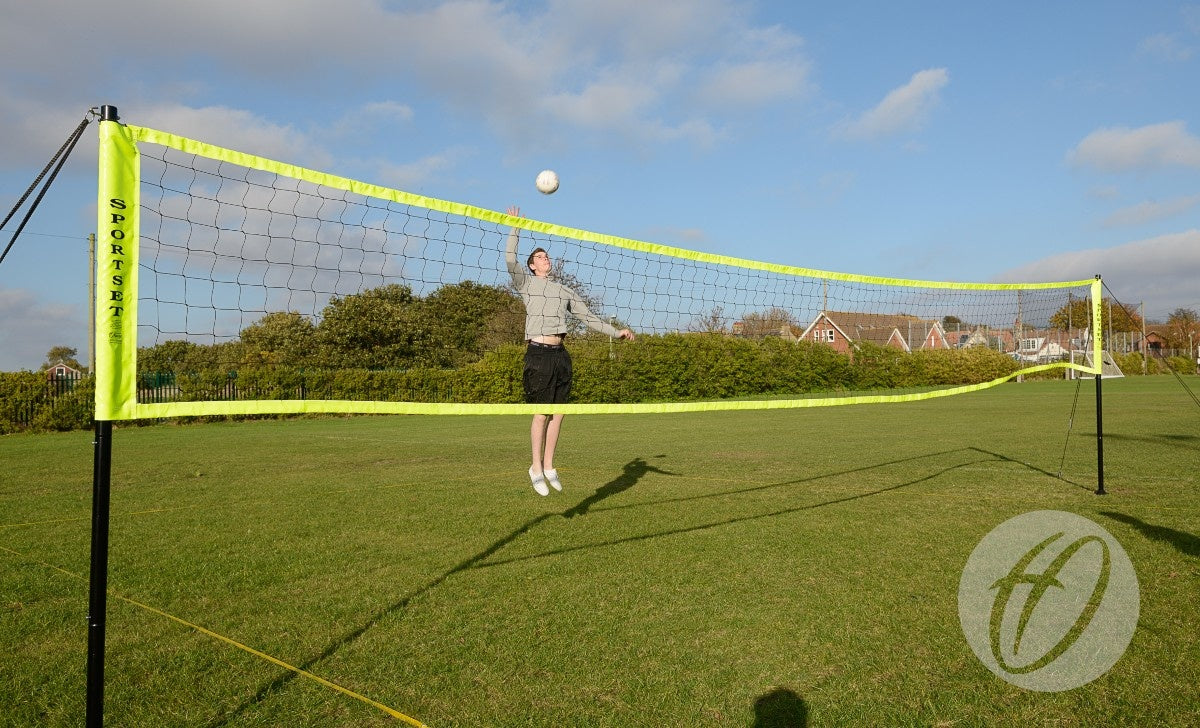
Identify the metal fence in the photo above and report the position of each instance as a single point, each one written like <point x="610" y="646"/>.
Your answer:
<point x="56" y="400"/>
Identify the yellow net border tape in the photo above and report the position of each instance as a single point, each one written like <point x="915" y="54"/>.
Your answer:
<point x="203" y="149"/>
<point x="127" y="408"/>
<point x="319" y="406"/>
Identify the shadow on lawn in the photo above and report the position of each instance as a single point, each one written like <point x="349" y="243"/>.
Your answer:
<point x="851" y="471"/>
<point x="632" y="472"/>
<point x="353" y="635"/>
<point x="1034" y="468"/>
<point x="780" y="708"/>
<point x="1186" y="543"/>
<point x="777" y="705"/>
<point x="1185" y="441"/>
<point x="931" y="457"/>
<point x="738" y="519"/>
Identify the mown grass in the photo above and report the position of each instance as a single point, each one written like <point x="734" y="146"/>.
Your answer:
<point x="724" y="569"/>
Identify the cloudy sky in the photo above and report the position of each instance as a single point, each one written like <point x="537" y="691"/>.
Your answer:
<point x="932" y="140"/>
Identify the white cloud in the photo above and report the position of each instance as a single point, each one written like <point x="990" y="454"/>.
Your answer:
<point x="602" y="104"/>
<point x="684" y="236"/>
<point x="736" y="86"/>
<point x="636" y="30"/>
<point x="1161" y="272"/>
<point x="1150" y="211"/>
<point x="904" y="109"/>
<point x="1104" y="192"/>
<point x="374" y="120"/>
<point x="412" y="175"/>
<point x="30" y="326"/>
<point x="38" y="128"/>
<point x="237" y="129"/>
<point x="765" y="65"/>
<point x="626" y="72"/>
<point x="1166" y="46"/>
<point x="388" y="111"/>
<point x="1191" y="18"/>
<point x="1121" y="149"/>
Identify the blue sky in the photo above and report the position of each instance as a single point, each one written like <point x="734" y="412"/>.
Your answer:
<point x="931" y="140"/>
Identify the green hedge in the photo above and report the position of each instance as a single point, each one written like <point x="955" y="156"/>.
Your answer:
<point x="674" y="367"/>
<point x="1131" y="364"/>
<point x="29" y="402"/>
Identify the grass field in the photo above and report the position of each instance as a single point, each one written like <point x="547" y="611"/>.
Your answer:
<point x="725" y="569"/>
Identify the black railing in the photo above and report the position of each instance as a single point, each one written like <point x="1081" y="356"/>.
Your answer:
<point x="56" y="400"/>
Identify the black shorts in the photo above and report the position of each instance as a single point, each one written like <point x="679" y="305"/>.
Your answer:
<point x="547" y="374"/>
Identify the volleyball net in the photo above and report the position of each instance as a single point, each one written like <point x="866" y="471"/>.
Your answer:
<point x="230" y="284"/>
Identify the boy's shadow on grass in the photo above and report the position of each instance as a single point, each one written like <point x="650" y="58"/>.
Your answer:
<point x="1187" y="544"/>
<point x="634" y="471"/>
<point x="780" y="708"/>
<point x="928" y="457"/>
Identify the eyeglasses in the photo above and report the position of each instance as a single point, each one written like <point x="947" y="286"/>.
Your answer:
<point x="541" y="255"/>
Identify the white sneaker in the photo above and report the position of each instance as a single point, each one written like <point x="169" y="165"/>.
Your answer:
<point x="552" y="478"/>
<point x="539" y="482"/>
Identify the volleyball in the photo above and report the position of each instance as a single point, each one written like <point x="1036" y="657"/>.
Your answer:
<point x="547" y="181"/>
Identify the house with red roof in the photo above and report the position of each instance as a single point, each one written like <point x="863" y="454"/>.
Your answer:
<point x="843" y="329"/>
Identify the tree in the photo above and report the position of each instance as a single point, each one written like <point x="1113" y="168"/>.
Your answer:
<point x="281" y="338"/>
<point x="506" y="325"/>
<point x="558" y="274"/>
<point x="164" y="357"/>
<point x="767" y="323"/>
<point x="711" y="323"/>
<point x="1078" y="313"/>
<point x="465" y="319"/>
<point x="178" y="356"/>
<point x="379" y="328"/>
<point x="1073" y="315"/>
<point x="1183" y="329"/>
<point x="62" y="354"/>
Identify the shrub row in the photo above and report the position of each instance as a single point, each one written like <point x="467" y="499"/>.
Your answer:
<point x="1131" y="364"/>
<point x="675" y="367"/>
<point x="29" y="401"/>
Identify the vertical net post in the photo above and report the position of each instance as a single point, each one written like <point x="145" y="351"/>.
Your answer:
<point x="1099" y="438"/>
<point x="117" y="241"/>
<point x="1098" y="358"/>
<point x="98" y="584"/>
<point x="114" y="375"/>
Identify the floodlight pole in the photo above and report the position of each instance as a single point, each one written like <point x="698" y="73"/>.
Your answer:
<point x="98" y="587"/>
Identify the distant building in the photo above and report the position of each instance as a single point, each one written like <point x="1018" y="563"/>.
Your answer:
<point x="1043" y="346"/>
<point x="63" y="371"/>
<point x="1153" y="343"/>
<point x="841" y="330"/>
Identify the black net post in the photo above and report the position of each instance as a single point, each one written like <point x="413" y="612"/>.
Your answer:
<point x="98" y="582"/>
<point x="98" y="586"/>
<point x="1100" y="434"/>
<point x="1099" y="403"/>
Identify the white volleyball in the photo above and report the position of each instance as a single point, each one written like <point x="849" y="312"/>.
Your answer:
<point x="547" y="181"/>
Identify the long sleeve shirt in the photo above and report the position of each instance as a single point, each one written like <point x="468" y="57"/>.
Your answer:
<point x="547" y="302"/>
